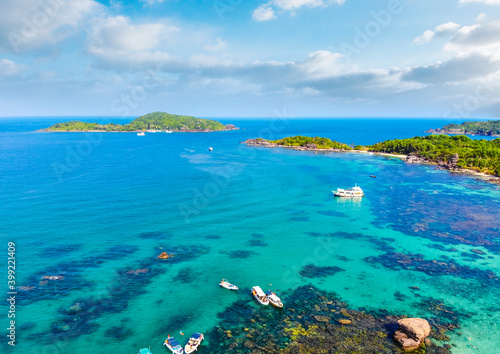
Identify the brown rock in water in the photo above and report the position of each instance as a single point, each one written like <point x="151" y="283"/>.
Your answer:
<point x="311" y="146"/>
<point x="344" y="321"/>
<point x="412" y="333"/>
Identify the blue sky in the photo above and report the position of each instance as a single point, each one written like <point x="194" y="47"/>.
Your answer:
<point x="235" y="58"/>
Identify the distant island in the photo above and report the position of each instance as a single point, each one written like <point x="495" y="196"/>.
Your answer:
<point x="157" y="121"/>
<point x="301" y="143"/>
<point x="457" y="153"/>
<point x="485" y="128"/>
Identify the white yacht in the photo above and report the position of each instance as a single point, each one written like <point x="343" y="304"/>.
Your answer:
<point x="349" y="193"/>
<point x="141" y="134"/>
<point x="168" y="131"/>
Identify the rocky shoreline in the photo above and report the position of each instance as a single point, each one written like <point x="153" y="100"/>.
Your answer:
<point x="450" y="164"/>
<point x="307" y="147"/>
<point x="457" y="132"/>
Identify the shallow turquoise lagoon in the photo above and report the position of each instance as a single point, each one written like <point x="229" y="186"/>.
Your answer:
<point x="96" y="210"/>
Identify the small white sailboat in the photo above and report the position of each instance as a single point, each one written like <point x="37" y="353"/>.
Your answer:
<point x="225" y="284"/>
<point x="259" y="295"/>
<point x="274" y="299"/>
<point x="174" y="346"/>
<point x="349" y="193"/>
<point x="194" y="343"/>
<point x="141" y="134"/>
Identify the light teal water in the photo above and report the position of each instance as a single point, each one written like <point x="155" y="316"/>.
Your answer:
<point x="253" y="216"/>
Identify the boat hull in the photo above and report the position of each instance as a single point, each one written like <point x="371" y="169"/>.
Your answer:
<point x="261" y="301"/>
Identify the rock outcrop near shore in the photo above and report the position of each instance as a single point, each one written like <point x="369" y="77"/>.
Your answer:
<point x="450" y="164"/>
<point x="412" y="333"/>
<point x="259" y="142"/>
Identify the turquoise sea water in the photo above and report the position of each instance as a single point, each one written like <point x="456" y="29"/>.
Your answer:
<point x="97" y="209"/>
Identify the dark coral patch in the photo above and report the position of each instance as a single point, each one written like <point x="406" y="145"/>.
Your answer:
<point x="59" y="280"/>
<point x="183" y="253"/>
<point x="154" y="235"/>
<point x="59" y="250"/>
<point x="119" y="333"/>
<point x="257" y="243"/>
<point x="212" y="237"/>
<point x="187" y="275"/>
<point x="416" y="262"/>
<point x="239" y="253"/>
<point x="312" y="271"/>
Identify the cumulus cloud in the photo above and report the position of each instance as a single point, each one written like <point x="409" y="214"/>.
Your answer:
<point x="32" y="25"/>
<point x="460" y="68"/>
<point x="267" y="11"/>
<point x="440" y="31"/>
<point x="263" y="13"/>
<point x="9" y="68"/>
<point x="479" y="36"/>
<point x="117" y="41"/>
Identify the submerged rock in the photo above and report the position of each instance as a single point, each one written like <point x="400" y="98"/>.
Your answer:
<point x="412" y="333"/>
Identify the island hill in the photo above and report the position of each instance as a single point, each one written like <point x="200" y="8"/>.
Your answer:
<point x="484" y="128"/>
<point x="157" y="121"/>
<point x="457" y="153"/>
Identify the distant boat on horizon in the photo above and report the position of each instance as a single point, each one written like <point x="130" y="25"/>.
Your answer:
<point x="141" y="134"/>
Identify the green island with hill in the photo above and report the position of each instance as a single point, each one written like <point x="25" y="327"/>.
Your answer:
<point x="157" y="121"/>
<point x="484" y="128"/>
<point x="456" y="153"/>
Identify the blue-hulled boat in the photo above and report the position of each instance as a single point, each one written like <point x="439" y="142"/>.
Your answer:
<point x="193" y="343"/>
<point x="174" y="346"/>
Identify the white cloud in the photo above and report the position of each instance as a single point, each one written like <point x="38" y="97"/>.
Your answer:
<point x="216" y="47"/>
<point x="291" y="5"/>
<point x="480" y="36"/>
<point x="115" y="40"/>
<point x="263" y="13"/>
<point x="9" y="68"/>
<point x="440" y="31"/>
<point x="152" y="2"/>
<point x="32" y="25"/>
<point x="488" y="2"/>
<point x="266" y="11"/>
<point x="462" y="67"/>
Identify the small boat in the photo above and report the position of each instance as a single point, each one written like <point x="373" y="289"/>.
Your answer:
<point x="144" y="351"/>
<point x="225" y="284"/>
<point x="174" y="346"/>
<point x="141" y="134"/>
<point x="274" y="299"/>
<point x="194" y="343"/>
<point x="210" y="149"/>
<point x="168" y="131"/>
<point x="349" y="193"/>
<point x="373" y="176"/>
<point x="259" y="295"/>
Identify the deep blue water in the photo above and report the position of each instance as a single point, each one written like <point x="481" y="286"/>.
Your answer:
<point x="96" y="210"/>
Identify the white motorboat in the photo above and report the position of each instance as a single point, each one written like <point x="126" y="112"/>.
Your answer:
<point x="168" y="131"/>
<point x="259" y="295"/>
<point x="194" y="343"/>
<point x="225" y="284"/>
<point x="274" y="299"/>
<point x="210" y="149"/>
<point x="174" y="346"/>
<point x="349" y="193"/>
<point x="141" y="134"/>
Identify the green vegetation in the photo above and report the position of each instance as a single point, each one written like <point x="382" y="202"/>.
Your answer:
<point x="321" y="143"/>
<point x="487" y="128"/>
<point x="480" y="155"/>
<point x="155" y="121"/>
